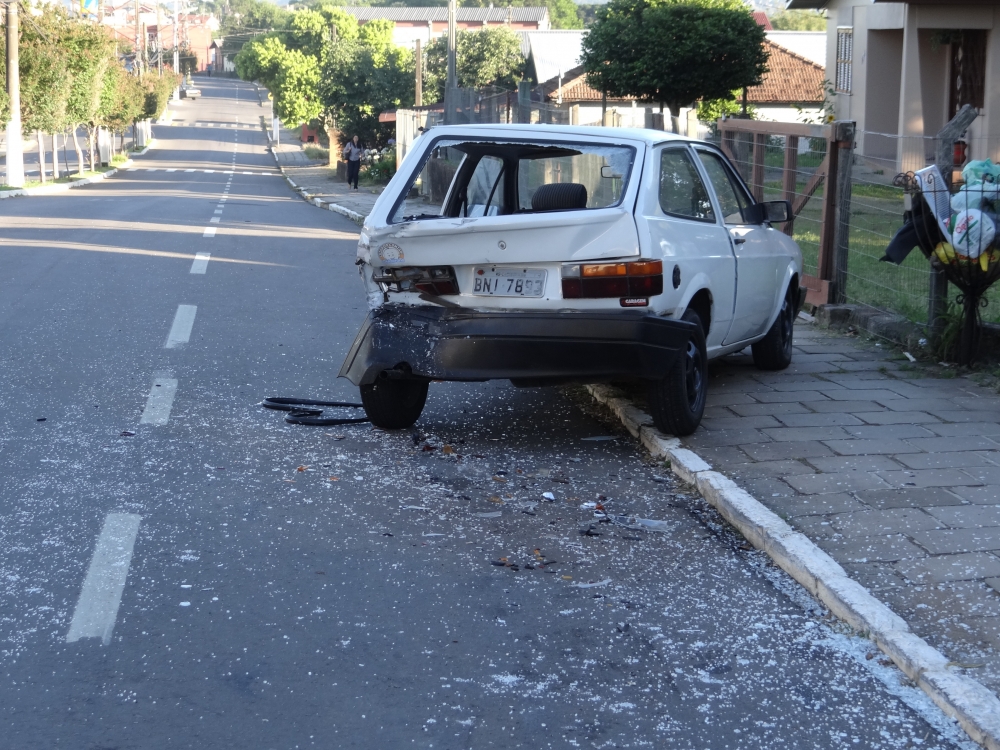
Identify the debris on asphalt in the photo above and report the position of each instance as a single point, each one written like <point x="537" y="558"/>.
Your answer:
<point x="494" y="514"/>
<point x="127" y="433"/>
<point x="589" y="529"/>
<point x="592" y="584"/>
<point x="598" y="438"/>
<point x="549" y="496"/>
<point x="414" y="507"/>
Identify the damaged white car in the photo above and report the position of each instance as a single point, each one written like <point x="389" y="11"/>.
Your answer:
<point x="553" y="254"/>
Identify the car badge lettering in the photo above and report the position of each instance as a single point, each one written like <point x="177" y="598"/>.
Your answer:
<point x="390" y="253"/>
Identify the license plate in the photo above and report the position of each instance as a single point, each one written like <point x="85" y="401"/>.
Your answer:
<point x="509" y="282"/>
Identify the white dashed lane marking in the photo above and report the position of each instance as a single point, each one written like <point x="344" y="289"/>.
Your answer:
<point x="159" y="402"/>
<point x="200" y="262"/>
<point x="180" y="331"/>
<point x="209" y="232"/>
<point x="97" y="608"/>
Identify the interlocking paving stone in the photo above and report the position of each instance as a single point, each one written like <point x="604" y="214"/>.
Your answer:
<point x="988" y="474"/>
<point x="776" y="397"/>
<point x="895" y="417"/>
<point x="979" y="495"/>
<point x="964" y="415"/>
<point x="937" y="445"/>
<point x="875" y="365"/>
<point x="920" y="404"/>
<point x="798" y="434"/>
<point x="775" y="469"/>
<point x="779" y="451"/>
<point x="718" y="412"/>
<point x="723" y="456"/>
<point x="818" y="420"/>
<point x="843" y="406"/>
<point x="792" y="505"/>
<point x="882" y="522"/>
<point x="967" y="516"/>
<point x="727" y="399"/>
<point x="854" y="463"/>
<point x="965" y="598"/>
<point x="889" y="432"/>
<point x="815" y="527"/>
<point x="714" y="438"/>
<point x="875" y="576"/>
<point x="929" y="478"/>
<point x="735" y="423"/>
<point x="879" y="395"/>
<point x="994" y="583"/>
<point x="855" y="447"/>
<point x="805" y="385"/>
<point x="955" y="541"/>
<point x="848" y="481"/>
<point x="872" y="549"/>
<point x="953" y="460"/>
<point x="775" y="410"/>
<point x="965" y="567"/>
<point x="910" y="498"/>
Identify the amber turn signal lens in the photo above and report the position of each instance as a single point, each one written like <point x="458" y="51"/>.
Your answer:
<point x="645" y="268"/>
<point x="604" y="269"/>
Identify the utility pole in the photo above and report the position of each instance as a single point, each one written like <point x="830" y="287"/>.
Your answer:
<point x="418" y="98"/>
<point x="159" y="41"/>
<point x="138" y="40"/>
<point x="177" y="54"/>
<point x="15" y="148"/>
<point x="451" y="82"/>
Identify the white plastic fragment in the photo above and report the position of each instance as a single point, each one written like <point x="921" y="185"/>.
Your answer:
<point x="549" y="496"/>
<point x="909" y="356"/>
<point x="491" y="514"/>
<point x="605" y="582"/>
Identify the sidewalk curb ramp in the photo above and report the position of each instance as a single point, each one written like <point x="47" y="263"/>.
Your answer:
<point x="354" y="216"/>
<point x="971" y="704"/>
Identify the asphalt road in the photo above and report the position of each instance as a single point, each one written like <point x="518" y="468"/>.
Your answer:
<point x="290" y="587"/>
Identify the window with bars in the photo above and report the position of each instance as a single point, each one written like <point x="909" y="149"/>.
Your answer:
<point x="845" y="58"/>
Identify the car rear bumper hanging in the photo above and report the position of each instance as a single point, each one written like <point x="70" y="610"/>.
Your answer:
<point x="399" y="341"/>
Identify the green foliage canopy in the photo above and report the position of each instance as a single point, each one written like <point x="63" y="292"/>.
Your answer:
<point x="490" y="57"/>
<point x="799" y="20"/>
<point x="672" y="52"/>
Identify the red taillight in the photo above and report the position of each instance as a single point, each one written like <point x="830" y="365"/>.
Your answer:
<point x="642" y="278"/>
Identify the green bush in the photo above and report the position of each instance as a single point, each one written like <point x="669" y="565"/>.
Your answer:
<point x="380" y="172"/>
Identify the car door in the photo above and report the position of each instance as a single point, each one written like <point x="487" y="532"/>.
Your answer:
<point x="757" y="257"/>
<point x="684" y="230"/>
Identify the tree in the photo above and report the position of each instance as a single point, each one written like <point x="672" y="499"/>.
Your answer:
<point x="362" y="80"/>
<point x="123" y="100"/>
<point x="490" y="57"/>
<point x="89" y="53"/>
<point x="799" y="20"/>
<point x="260" y="59"/>
<point x="674" y="53"/>
<point x="296" y="98"/>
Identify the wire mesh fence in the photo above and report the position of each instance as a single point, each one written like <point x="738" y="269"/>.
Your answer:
<point x="876" y="214"/>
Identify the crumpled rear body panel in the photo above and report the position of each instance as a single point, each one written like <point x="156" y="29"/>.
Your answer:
<point x="438" y="343"/>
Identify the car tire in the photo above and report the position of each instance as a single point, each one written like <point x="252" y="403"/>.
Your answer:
<point x="677" y="401"/>
<point x="394" y="404"/>
<point x="774" y="351"/>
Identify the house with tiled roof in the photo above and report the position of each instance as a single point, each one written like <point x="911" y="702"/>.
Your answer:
<point x="792" y="89"/>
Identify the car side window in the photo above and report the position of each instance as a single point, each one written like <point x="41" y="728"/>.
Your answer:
<point x="682" y="192"/>
<point x="732" y="198"/>
<point x="484" y="195"/>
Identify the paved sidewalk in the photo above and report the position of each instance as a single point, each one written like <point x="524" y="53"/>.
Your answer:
<point x="320" y="181"/>
<point x="893" y="471"/>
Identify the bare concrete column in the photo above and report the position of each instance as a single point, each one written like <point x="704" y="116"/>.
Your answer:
<point x="911" y="106"/>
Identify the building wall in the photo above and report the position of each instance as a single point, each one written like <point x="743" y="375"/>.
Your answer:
<point x="900" y="86"/>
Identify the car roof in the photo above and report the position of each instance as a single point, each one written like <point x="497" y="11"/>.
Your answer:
<point x="645" y="135"/>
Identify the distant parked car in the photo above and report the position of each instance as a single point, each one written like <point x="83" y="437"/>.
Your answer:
<point x="190" y="92"/>
<point x="551" y="254"/>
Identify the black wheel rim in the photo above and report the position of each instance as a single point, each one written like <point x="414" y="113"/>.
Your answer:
<point x="786" y="325"/>
<point x="694" y="377"/>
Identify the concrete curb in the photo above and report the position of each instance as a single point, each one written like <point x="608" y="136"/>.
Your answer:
<point x="64" y="186"/>
<point x="354" y="216"/>
<point x="975" y="707"/>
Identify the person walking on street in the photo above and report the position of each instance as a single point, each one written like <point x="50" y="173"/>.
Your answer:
<point x="353" y="152"/>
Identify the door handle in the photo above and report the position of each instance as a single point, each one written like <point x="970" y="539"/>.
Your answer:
<point x="738" y="240"/>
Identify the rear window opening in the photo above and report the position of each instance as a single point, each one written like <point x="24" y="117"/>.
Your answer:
<point x="472" y="178"/>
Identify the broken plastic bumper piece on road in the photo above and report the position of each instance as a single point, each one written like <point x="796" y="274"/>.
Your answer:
<point x="528" y="348"/>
